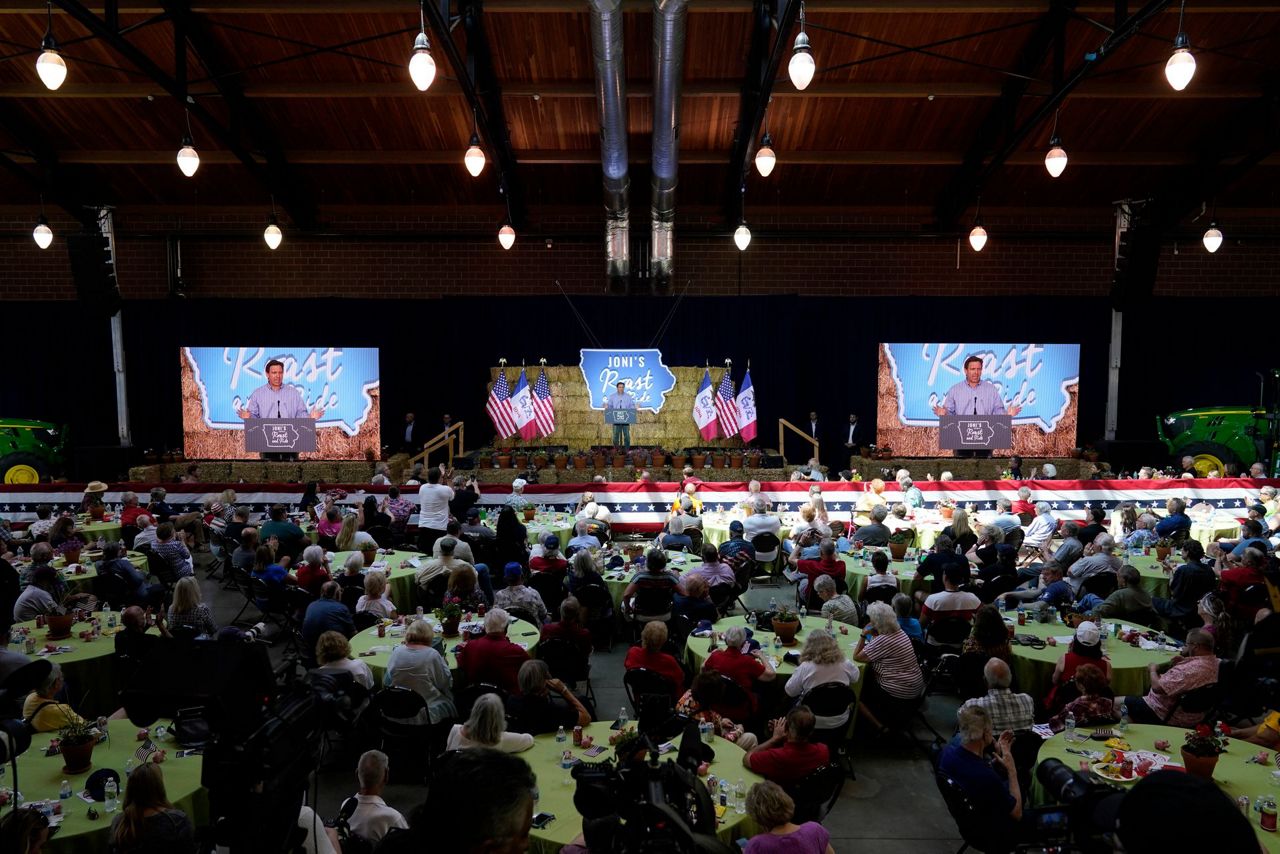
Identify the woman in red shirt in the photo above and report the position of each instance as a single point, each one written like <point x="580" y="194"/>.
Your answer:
<point x="550" y="560"/>
<point x="1085" y="649"/>
<point x="650" y="656"/>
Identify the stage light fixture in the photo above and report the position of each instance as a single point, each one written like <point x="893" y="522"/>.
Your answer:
<point x="1212" y="238"/>
<point x="50" y="66"/>
<point x="506" y="236"/>
<point x="1181" y="66"/>
<point x="742" y="237"/>
<point x="422" y="65"/>
<point x="765" y="157"/>
<point x="43" y="234"/>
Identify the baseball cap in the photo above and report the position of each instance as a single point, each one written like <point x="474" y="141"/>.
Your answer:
<point x="513" y="570"/>
<point x="551" y="541"/>
<point x="519" y="483"/>
<point x="1260" y="509"/>
<point x="1087" y="633"/>
<point x="736" y="527"/>
<point x="1049" y="470"/>
<point x="1144" y="823"/>
<point x="473" y="512"/>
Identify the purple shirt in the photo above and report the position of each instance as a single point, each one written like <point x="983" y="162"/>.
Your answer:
<point x="809" y="838"/>
<point x="962" y="399"/>
<point x="266" y="402"/>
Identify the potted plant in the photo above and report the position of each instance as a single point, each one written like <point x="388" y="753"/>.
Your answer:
<point x="1202" y="747"/>
<point x="946" y="507"/>
<point x="540" y="460"/>
<point x="719" y="459"/>
<point x="699" y="459"/>
<point x="657" y="458"/>
<point x="69" y="550"/>
<point x="370" y="553"/>
<point x="59" y="623"/>
<point x="786" y="622"/>
<point x="678" y="459"/>
<point x="1164" y="545"/>
<point x="561" y="460"/>
<point x="618" y="458"/>
<point x="753" y="458"/>
<point x="898" y="542"/>
<point x="597" y="457"/>
<point x="449" y="614"/>
<point x="735" y="458"/>
<point x="638" y="457"/>
<point x="76" y="741"/>
<point x="520" y="459"/>
<point x="580" y="460"/>
<point x="530" y="512"/>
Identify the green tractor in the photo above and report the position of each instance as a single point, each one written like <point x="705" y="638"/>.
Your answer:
<point x="30" y="450"/>
<point x="1218" y="437"/>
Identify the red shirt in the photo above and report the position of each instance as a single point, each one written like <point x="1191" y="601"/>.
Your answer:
<point x="541" y="564"/>
<point x="1021" y="506"/>
<point x="129" y="515"/>
<point x="1233" y="583"/>
<point x="814" y="568"/>
<point x="743" y="669"/>
<point x="493" y="659"/>
<point x="659" y="662"/>
<point x="790" y="763"/>
<point x="312" y="578"/>
<point x="574" y="634"/>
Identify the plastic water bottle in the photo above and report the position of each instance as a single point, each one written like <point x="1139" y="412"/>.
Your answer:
<point x="560" y="735"/>
<point x="623" y="718"/>
<point x="773" y="603"/>
<point x="740" y="797"/>
<point x="109" y="796"/>
<point x="108" y="616"/>
<point x="65" y="791"/>
<point x="1124" y="720"/>
<point x="1069" y="727"/>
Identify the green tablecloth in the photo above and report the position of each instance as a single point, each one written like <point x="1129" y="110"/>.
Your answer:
<point x="400" y="579"/>
<point x="560" y="524"/>
<point x="88" y="668"/>
<point x="40" y="776"/>
<point x="1221" y="526"/>
<point x="518" y="631"/>
<point x="91" y="531"/>
<point x="618" y="579"/>
<point x="556" y="787"/>
<point x="1233" y="775"/>
<point x="1154" y="579"/>
<point x="1034" y="667"/>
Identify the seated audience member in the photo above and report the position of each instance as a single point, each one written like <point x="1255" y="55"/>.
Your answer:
<point x="653" y="575"/>
<point x="372" y="817"/>
<point x="1195" y="667"/>
<point x="808" y="533"/>
<point x="772" y="809"/>
<point x="835" y="605"/>
<point x="675" y="538"/>
<point x="695" y="601"/>
<point x="464" y="585"/>
<point x="875" y="533"/>
<point x="1069" y="550"/>
<point x="147" y="822"/>
<point x="349" y="535"/>
<point x="517" y="595"/>
<point x="581" y="539"/>
<point x="1095" y="527"/>
<point x="42" y="711"/>
<point x="903" y="606"/>
<point x="742" y="667"/>
<point x="583" y="572"/>
<point x="762" y="522"/>
<point x="711" y="570"/>
<point x="550" y="560"/>
<point x="172" y="551"/>
<point x="375" y="599"/>
<point x="333" y="654"/>
<point x="370" y="515"/>
<point x="134" y="640"/>
<point x="476" y="529"/>
<point x="809" y="570"/>
<point x="1188" y="584"/>
<point x="331" y="524"/>
<point x="897" y="680"/>
<point x="960" y="531"/>
<point x="569" y="627"/>
<point x="445" y="562"/>
<point x="243" y="556"/>
<point x="312" y="572"/>
<point x="650" y="656"/>
<point x="39" y="597"/>
<point x="1128" y="602"/>
<point x="990" y="638"/>
<point x="1009" y="711"/>
<point x="1041" y="529"/>
<point x="487" y="727"/>
<point x="289" y="535"/>
<point x="276" y="575"/>
<point x="544" y="704"/>
<point x="880" y="576"/>
<point x="129" y="510"/>
<point x="44" y="521"/>
<point x="417" y="665"/>
<point x="1053" y="591"/>
<point x="493" y="657"/>
<point x="511" y="541"/>
<point x="1005" y="519"/>
<point x="1143" y="534"/>
<point x="461" y="549"/>
<point x="1096" y="560"/>
<point x="952" y="603"/>
<point x="188" y="610"/>
<point x="788" y="756"/>
<point x="1233" y="582"/>
<point x="239" y="521"/>
<point x="994" y="797"/>
<point x="736" y="550"/>
<point x="64" y="530"/>
<point x="493" y="824"/>
<point x="1095" y="705"/>
<point x="822" y="661"/>
<point x="146" y="532"/>
<point x="934" y="566"/>
<point x="1176" y="524"/>
<point x="352" y="576"/>
<point x="1085" y="648"/>
<point x="1023" y="503"/>
<point x="699" y="703"/>
<point x="326" y="614"/>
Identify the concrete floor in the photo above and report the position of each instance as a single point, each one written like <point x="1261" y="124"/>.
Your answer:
<point x="893" y="806"/>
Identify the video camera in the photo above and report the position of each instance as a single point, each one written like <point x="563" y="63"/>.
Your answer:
<point x="647" y="805"/>
<point x="1073" y="824"/>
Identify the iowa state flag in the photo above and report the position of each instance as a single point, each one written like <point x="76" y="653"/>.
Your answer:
<point x="747" y="409"/>
<point x="522" y="409"/>
<point x="704" y="409"/>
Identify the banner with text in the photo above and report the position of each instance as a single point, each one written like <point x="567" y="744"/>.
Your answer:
<point x="641" y="371"/>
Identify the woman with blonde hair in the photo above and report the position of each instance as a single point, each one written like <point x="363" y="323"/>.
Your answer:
<point x="147" y="822"/>
<point x="960" y="532"/>
<point x="333" y="653"/>
<point x="822" y="661"/>
<point x="487" y="727"/>
<point x="465" y="585"/>
<point x="418" y="665"/>
<point x="188" y="610"/>
<point x="350" y="536"/>
<point x="375" y="599"/>
<point x="651" y="656"/>
<point x="772" y="808"/>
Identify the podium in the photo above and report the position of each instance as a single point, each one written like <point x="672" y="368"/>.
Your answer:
<point x="975" y="432"/>
<point x="618" y="417"/>
<point x="279" y="435"/>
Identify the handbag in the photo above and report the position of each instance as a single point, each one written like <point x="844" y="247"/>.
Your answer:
<point x="191" y="727"/>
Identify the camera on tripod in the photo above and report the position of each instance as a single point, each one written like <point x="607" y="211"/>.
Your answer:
<point x="1073" y="824"/>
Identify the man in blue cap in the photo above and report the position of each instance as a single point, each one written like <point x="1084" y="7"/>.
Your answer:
<point x="516" y="595"/>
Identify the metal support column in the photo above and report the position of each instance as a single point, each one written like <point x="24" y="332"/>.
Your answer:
<point x="106" y="224"/>
<point x="1117" y="328"/>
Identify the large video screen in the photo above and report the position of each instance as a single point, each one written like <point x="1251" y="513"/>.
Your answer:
<point x="1041" y="381"/>
<point x="338" y="386"/>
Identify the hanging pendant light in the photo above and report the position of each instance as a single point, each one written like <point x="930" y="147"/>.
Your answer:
<point x="188" y="157"/>
<point x="43" y="234"/>
<point x="1181" y="66"/>
<point x="1212" y="238"/>
<point x="801" y="67"/>
<point x="1055" y="160"/>
<point x="474" y="158"/>
<point x="50" y="66"/>
<point x="765" y="158"/>
<point x="977" y="238"/>
<point x="422" y="65"/>
<point x="506" y="236"/>
<point x="742" y="237"/>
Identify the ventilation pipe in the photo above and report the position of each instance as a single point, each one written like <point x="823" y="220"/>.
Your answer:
<point x="668" y="76"/>
<point x="611" y="97"/>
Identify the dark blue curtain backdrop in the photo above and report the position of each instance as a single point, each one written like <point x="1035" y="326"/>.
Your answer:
<point x="805" y="353"/>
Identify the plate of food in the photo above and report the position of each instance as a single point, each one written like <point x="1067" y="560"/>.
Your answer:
<point x="1116" y="772"/>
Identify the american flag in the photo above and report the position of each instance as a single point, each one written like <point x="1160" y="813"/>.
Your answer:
<point x="144" y="751"/>
<point x="544" y="409"/>
<point x="499" y="407"/>
<point x="727" y="407"/>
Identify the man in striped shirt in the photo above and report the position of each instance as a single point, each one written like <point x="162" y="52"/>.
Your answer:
<point x="838" y="606"/>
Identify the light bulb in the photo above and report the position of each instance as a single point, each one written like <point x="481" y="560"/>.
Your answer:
<point x="272" y="234"/>
<point x="188" y="157"/>
<point x="1213" y="238"/>
<point x="506" y="237"/>
<point x="43" y="234"/>
<point x="1181" y="66"/>
<point x="474" y="158"/>
<point x="978" y="238"/>
<point x="1056" y="159"/>
<point x="765" y="158"/>
<point x="422" y="65"/>
<point x="50" y="66"/>
<point x="801" y="67"/>
<point x="742" y="237"/>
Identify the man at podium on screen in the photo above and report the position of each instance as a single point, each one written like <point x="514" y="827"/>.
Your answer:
<point x="973" y="396"/>
<point x="277" y="400"/>
<point x="621" y="400"/>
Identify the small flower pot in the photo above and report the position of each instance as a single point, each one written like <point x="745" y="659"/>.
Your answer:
<point x="530" y="513"/>
<point x="719" y="461"/>
<point x="449" y="626"/>
<point x="1162" y="552"/>
<point x="77" y="758"/>
<point x="562" y="462"/>
<point x="898" y="551"/>
<point x="619" y="461"/>
<point x="678" y="460"/>
<point x="520" y="460"/>
<point x="539" y="461"/>
<point x="786" y="632"/>
<point x="597" y="460"/>
<point x="59" y="626"/>
<point x="1200" y="766"/>
<point x="504" y="461"/>
<point x="579" y="462"/>
<point x="699" y="461"/>
<point x="947" y="512"/>
<point x="735" y="461"/>
<point x="70" y="556"/>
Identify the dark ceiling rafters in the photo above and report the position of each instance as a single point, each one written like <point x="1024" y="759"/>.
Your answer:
<point x="299" y="210"/>
<point x="50" y="177"/>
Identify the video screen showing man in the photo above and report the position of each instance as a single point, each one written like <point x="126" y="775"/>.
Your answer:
<point x="277" y="400"/>
<point x="974" y="396"/>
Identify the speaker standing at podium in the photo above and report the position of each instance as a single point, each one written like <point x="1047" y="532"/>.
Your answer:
<point x="277" y="400"/>
<point x="973" y="396"/>
<point x="621" y="400"/>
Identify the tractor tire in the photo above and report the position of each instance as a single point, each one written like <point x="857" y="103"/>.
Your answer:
<point x="22" y="468"/>
<point x="1210" y="456"/>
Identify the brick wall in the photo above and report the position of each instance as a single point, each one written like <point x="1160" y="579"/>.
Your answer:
<point x="437" y="254"/>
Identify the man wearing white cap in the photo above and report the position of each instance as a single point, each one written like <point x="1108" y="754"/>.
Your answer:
<point x="516" y="500"/>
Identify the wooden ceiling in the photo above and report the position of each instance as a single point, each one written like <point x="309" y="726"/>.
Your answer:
<point x="903" y="92"/>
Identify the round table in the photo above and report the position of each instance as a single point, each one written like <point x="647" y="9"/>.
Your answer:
<point x="1034" y="667"/>
<point x="556" y="786"/>
<point x="40" y="777"/>
<point x="400" y="580"/>
<point x="715" y="524"/>
<point x="1220" y="526"/>
<point x="560" y="524"/>
<point x="1154" y="578"/>
<point x="619" y="579"/>
<point x="1233" y="775"/>
<point x="91" y="531"/>
<point x="87" y="667"/>
<point x="518" y="631"/>
<point x="858" y="570"/>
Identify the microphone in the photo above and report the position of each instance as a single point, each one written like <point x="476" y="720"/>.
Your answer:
<point x="975" y="404"/>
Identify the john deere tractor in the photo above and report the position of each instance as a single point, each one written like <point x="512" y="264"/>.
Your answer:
<point x="30" y="450"/>
<point x="1220" y="436"/>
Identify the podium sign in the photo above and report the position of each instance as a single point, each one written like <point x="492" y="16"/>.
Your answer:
<point x="613" y="417"/>
<point x="279" y="435"/>
<point x="975" y="432"/>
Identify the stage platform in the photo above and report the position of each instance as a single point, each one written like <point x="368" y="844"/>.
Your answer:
<point x="965" y="469"/>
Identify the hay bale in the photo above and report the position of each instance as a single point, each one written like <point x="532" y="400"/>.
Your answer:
<point x="249" y="472"/>
<point x="215" y="472"/>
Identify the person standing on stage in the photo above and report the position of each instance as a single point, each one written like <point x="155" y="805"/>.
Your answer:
<point x="621" y="400"/>
<point x="973" y="396"/>
<point x="277" y="400"/>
